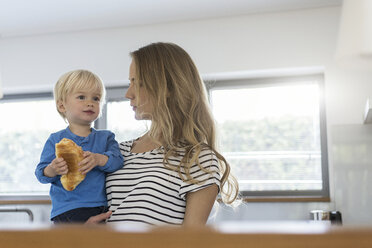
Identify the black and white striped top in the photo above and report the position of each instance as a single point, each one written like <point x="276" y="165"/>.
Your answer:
<point x="145" y="191"/>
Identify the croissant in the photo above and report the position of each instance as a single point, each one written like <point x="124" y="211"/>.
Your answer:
<point x="72" y="154"/>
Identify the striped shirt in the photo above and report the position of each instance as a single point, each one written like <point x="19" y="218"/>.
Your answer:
<point x="145" y="191"/>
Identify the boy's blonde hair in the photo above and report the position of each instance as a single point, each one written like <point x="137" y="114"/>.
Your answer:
<point x="181" y="113"/>
<point x="73" y="81"/>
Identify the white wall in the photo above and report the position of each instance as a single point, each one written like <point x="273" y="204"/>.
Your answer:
<point x="303" y="38"/>
<point x="276" y="40"/>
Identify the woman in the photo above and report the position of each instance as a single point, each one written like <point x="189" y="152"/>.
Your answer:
<point x="173" y="173"/>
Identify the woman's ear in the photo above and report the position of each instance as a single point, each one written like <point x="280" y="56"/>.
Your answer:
<point x="60" y="106"/>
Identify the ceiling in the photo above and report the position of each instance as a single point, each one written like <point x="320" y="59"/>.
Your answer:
<point x="32" y="17"/>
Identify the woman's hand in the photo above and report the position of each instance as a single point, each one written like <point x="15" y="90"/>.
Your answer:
<point x="98" y="218"/>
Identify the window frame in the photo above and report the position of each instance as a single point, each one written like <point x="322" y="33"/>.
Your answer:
<point x="117" y="93"/>
<point x="29" y="198"/>
<point x="253" y="82"/>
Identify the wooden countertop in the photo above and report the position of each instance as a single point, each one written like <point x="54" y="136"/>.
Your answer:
<point x="106" y="236"/>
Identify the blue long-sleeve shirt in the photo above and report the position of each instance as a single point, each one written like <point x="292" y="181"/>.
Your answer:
<point x="91" y="191"/>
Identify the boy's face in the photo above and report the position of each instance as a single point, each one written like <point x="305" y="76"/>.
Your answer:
<point x="81" y="107"/>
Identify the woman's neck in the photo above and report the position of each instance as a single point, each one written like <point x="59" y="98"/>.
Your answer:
<point x="144" y="144"/>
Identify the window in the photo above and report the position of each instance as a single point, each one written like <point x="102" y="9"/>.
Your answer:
<point x="118" y="116"/>
<point x="120" y="120"/>
<point x="272" y="133"/>
<point x="29" y="121"/>
<point x="271" y="130"/>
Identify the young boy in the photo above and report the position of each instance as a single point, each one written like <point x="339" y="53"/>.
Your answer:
<point x="79" y="96"/>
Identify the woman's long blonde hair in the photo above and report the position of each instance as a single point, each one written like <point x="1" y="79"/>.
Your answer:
<point x="181" y="111"/>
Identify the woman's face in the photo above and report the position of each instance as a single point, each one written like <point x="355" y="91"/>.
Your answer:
<point x="138" y="96"/>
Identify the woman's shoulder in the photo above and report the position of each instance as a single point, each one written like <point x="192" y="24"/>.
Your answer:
<point x="203" y="149"/>
<point x="126" y="145"/>
<point x="207" y="151"/>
